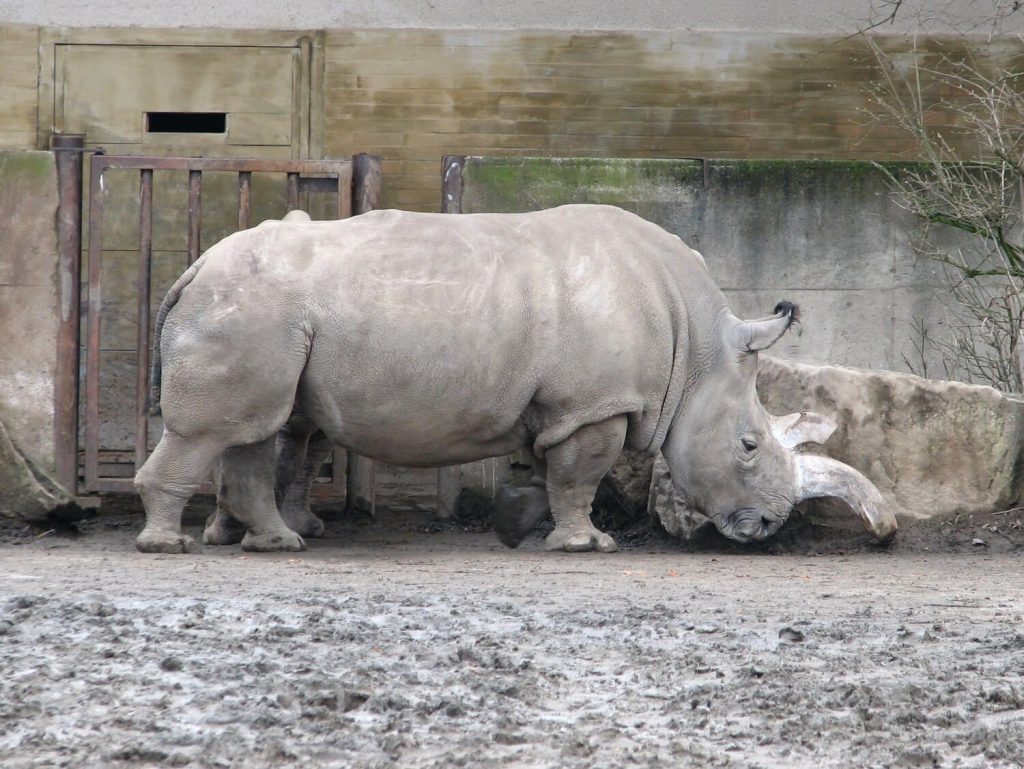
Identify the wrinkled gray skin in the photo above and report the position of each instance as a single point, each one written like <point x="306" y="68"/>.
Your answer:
<point x="429" y="340"/>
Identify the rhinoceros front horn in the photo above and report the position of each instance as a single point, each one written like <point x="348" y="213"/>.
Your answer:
<point x="818" y="476"/>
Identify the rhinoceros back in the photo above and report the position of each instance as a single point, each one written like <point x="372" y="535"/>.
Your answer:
<point x="551" y="319"/>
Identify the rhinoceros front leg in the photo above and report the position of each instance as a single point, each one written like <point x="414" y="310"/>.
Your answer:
<point x="575" y="468"/>
<point x="297" y="468"/>
<point x="247" y="494"/>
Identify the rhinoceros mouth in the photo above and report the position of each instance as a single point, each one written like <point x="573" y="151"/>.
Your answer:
<point x="748" y="525"/>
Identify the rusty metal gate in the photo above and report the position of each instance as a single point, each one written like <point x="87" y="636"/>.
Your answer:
<point x="354" y="187"/>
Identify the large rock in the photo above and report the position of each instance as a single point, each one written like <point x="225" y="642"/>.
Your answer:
<point x="933" y="448"/>
<point x="27" y="492"/>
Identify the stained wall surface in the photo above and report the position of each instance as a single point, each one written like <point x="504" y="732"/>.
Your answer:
<point x="804" y="16"/>
<point x="825" y="235"/>
<point x="28" y="300"/>
<point x="413" y="94"/>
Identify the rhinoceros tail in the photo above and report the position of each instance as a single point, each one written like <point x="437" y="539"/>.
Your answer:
<point x="173" y="294"/>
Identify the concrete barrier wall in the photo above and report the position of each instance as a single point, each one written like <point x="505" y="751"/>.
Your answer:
<point x="823" y="234"/>
<point x="28" y="300"/>
<point x="733" y="80"/>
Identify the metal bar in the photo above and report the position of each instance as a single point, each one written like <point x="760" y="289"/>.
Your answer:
<point x="114" y="483"/>
<point x="293" y="190"/>
<point x="244" y="198"/>
<point x="142" y="345"/>
<point x="195" y="211"/>
<point x="109" y="485"/>
<point x="234" y="165"/>
<point x="68" y="150"/>
<point x="92" y="370"/>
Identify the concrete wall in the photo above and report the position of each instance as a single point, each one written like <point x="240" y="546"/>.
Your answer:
<point x="805" y="16"/>
<point x="823" y="234"/>
<point x="28" y="300"/>
<point x="413" y="94"/>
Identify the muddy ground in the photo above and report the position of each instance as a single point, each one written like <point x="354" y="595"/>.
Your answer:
<point x="397" y="644"/>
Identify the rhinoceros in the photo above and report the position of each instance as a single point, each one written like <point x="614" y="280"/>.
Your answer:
<point x="430" y="340"/>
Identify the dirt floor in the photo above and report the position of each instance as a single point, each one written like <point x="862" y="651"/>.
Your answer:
<point x="394" y="643"/>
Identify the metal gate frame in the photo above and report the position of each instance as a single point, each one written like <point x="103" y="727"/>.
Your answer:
<point x="356" y="183"/>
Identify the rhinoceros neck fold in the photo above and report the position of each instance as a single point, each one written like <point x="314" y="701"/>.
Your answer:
<point x="695" y="353"/>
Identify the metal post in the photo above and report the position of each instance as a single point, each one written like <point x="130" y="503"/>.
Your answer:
<point x="292" y="187"/>
<point x="68" y="149"/>
<point x="451" y="183"/>
<point x="145" y="278"/>
<point x="367" y="183"/>
<point x="486" y="474"/>
<point x="361" y="476"/>
<point x="93" y="307"/>
<point x="195" y="203"/>
<point x="244" y="198"/>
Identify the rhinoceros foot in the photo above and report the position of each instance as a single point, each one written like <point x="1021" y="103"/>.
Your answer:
<point x="580" y="541"/>
<point x="275" y="541"/>
<point x="517" y="511"/>
<point x="164" y="542"/>
<point x="222" y="529"/>
<point x="303" y="522"/>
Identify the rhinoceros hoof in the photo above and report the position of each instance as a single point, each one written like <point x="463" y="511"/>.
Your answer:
<point x="275" y="542"/>
<point x="305" y="524"/>
<point x="150" y="542"/>
<point x="222" y="531"/>
<point x="580" y="541"/>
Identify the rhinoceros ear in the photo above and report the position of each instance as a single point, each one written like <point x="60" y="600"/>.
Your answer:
<point x="793" y="430"/>
<point x="753" y="335"/>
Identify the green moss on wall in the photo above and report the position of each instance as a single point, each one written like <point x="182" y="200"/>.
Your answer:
<point x="16" y="165"/>
<point x="655" y="187"/>
<point x="520" y="184"/>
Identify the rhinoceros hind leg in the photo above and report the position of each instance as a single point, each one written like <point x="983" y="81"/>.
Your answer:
<point x="247" y="492"/>
<point x="575" y="467"/>
<point x="300" y="457"/>
<point x="517" y="510"/>
<point x="165" y="482"/>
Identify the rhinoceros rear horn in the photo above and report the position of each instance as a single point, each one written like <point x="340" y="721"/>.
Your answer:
<point x="801" y="428"/>
<point x="753" y="335"/>
<point x="818" y="476"/>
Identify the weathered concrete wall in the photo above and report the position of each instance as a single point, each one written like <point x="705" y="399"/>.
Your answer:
<point x="824" y="235"/>
<point x="411" y="94"/>
<point x="19" y="86"/>
<point x="28" y="300"/>
<point x="789" y="15"/>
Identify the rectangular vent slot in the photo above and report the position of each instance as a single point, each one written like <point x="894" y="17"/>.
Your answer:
<point x="186" y="122"/>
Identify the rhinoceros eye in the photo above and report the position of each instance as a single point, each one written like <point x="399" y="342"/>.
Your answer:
<point x="749" y="443"/>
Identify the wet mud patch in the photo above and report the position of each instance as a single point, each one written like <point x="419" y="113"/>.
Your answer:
<point x="386" y="645"/>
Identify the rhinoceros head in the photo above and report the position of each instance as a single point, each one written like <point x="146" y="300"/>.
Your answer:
<point x="742" y="467"/>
